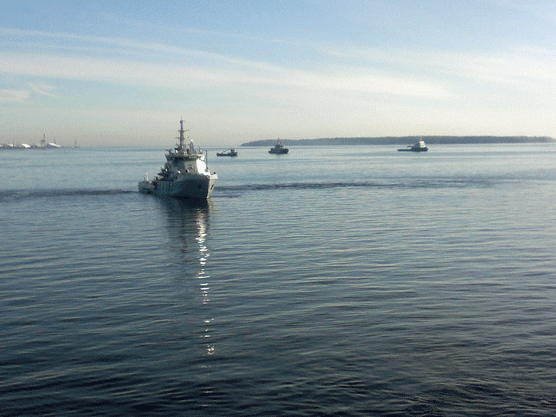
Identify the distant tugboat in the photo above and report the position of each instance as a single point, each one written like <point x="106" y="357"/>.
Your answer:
<point x="418" y="147"/>
<point x="228" y="152"/>
<point x="278" y="149"/>
<point x="184" y="175"/>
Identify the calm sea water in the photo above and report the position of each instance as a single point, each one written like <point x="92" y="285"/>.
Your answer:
<point x="332" y="281"/>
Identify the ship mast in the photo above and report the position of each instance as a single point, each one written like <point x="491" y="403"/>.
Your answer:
<point x="182" y="137"/>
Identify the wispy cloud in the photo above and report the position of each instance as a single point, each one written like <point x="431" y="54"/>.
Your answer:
<point x="43" y="89"/>
<point x="106" y="45"/>
<point x="430" y="74"/>
<point x="185" y="77"/>
<point x="500" y="66"/>
<point x="17" y="96"/>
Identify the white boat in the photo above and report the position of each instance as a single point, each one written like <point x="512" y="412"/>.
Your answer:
<point x="418" y="147"/>
<point x="279" y="149"/>
<point x="48" y="145"/>
<point x="184" y="175"/>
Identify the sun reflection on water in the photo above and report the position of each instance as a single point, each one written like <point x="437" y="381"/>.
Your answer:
<point x="188" y="223"/>
<point x="203" y="277"/>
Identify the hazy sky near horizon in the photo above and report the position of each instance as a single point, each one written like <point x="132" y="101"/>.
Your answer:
<point x="124" y="72"/>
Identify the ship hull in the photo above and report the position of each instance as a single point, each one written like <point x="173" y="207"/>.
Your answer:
<point x="197" y="188"/>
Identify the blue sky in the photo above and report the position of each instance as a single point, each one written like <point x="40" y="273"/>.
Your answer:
<point x="123" y="73"/>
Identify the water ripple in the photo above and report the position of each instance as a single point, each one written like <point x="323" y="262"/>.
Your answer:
<point x="16" y="195"/>
<point x="403" y="184"/>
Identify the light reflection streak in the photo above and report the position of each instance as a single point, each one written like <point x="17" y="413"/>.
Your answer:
<point x="203" y="277"/>
<point x="188" y="220"/>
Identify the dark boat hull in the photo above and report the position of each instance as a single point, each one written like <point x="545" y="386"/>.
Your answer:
<point x="198" y="188"/>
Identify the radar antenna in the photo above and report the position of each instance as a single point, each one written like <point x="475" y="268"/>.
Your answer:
<point x="182" y="137"/>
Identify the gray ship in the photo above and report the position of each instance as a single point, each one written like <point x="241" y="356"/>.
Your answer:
<point x="184" y="175"/>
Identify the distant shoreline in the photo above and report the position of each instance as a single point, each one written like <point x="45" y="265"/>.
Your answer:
<point x="404" y="140"/>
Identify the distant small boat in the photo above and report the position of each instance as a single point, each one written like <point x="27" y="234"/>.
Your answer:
<point x="228" y="152"/>
<point x="418" y="147"/>
<point x="278" y="149"/>
<point x="52" y="145"/>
